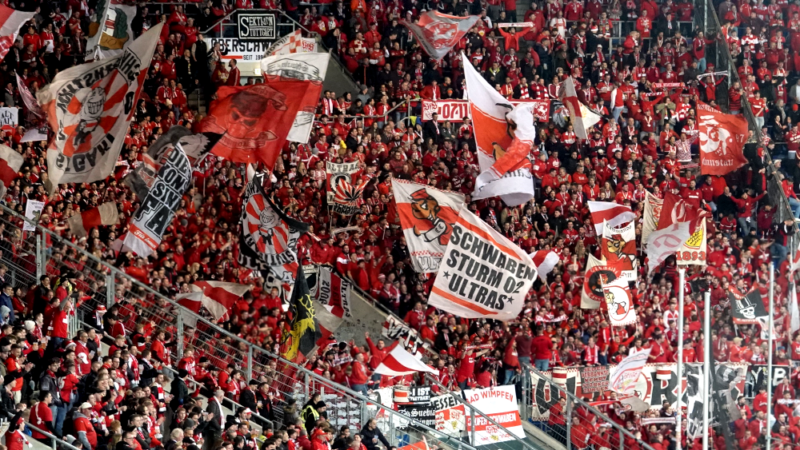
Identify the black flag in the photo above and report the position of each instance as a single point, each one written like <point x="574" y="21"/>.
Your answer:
<point x="746" y="309"/>
<point x="302" y="339"/>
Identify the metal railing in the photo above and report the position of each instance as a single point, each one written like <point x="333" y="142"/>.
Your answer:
<point x="559" y="424"/>
<point x="44" y="252"/>
<point x="55" y="442"/>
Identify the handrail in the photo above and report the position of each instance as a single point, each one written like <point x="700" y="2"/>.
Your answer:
<point x="53" y="438"/>
<point x="531" y="369"/>
<point x="251" y="347"/>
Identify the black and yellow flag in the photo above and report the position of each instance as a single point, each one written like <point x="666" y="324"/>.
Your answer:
<point x="305" y="332"/>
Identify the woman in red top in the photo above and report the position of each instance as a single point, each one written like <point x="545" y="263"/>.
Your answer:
<point x="16" y="440"/>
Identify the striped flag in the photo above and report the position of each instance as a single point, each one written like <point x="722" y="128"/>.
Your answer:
<point x="399" y="362"/>
<point x="10" y="22"/>
<point x="545" y="261"/>
<point x="81" y="224"/>
<point x="580" y="116"/>
<point x="610" y="212"/>
<point x="218" y="296"/>
<point x="10" y="163"/>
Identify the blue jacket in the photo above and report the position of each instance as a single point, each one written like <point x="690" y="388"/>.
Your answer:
<point x="5" y="300"/>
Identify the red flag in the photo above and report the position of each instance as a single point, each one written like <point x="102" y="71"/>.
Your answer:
<point x="10" y="23"/>
<point x="438" y="33"/>
<point x="675" y="209"/>
<point x="722" y="138"/>
<point x="219" y="297"/>
<point x="254" y="120"/>
<point x="105" y="214"/>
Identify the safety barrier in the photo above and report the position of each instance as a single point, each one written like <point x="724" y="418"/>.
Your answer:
<point x="29" y="255"/>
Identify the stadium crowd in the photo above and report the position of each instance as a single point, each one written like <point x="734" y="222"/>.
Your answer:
<point x="647" y="141"/>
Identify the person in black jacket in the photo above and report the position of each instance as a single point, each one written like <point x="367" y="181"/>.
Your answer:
<point x="371" y="436"/>
<point x="179" y="390"/>
<point x="247" y="397"/>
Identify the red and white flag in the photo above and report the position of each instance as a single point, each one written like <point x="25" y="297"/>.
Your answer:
<point x="218" y="296"/>
<point x="581" y="117"/>
<point x="619" y="302"/>
<point x="675" y="209"/>
<point x="438" y="33"/>
<point x="427" y="216"/>
<point x="399" y="362"/>
<point x="610" y="212"/>
<point x="254" y="121"/>
<point x="624" y="378"/>
<point x="105" y="214"/>
<point x="29" y="99"/>
<point x="10" y="22"/>
<point x="722" y="139"/>
<point x="665" y="242"/>
<point x="545" y="261"/>
<point x="503" y="157"/>
<point x="293" y="42"/>
<point x="10" y="163"/>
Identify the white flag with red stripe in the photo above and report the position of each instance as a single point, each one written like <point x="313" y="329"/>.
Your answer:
<point x="218" y="296"/>
<point x="105" y="214"/>
<point x="10" y="22"/>
<point x="582" y="118"/>
<point x="399" y="362"/>
<point x="10" y="163"/>
<point x="545" y="261"/>
<point x="504" y="135"/>
<point x="482" y="273"/>
<point x="610" y="212"/>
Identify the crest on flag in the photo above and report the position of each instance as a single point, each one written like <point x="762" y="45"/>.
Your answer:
<point x="90" y="106"/>
<point x="618" y="249"/>
<point x="347" y="198"/>
<point x="268" y="239"/>
<point x="722" y="138"/>
<point x="746" y="308"/>
<point x="597" y="274"/>
<point x="438" y="33"/>
<point x="427" y="216"/>
<point x="619" y="302"/>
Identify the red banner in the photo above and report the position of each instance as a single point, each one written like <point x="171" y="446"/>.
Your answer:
<point x="722" y="138"/>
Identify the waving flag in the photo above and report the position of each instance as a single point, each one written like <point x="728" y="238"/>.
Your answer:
<point x="347" y="198"/>
<point x="110" y="28"/>
<point x="623" y="380"/>
<point x="598" y="273"/>
<point x="652" y="213"/>
<point x="722" y="139"/>
<point x="610" y="212"/>
<point x="618" y="248"/>
<point x="10" y="163"/>
<point x="268" y="237"/>
<point x="581" y="117"/>
<point x="545" y="261"/>
<point x="794" y="311"/>
<point x="254" y="120"/>
<point x="105" y="214"/>
<point x="665" y="242"/>
<point x="427" y="216"/>
<point x="90" y="106"/>
<point x="619" y="303"/>
<point x="504" y="136"/>
<point x="293" y="42"/>
<point x="399" y="362"/>
<point x="10" y="22"/>
<point x="337" y="173"/>
<point x="438" y="33"/>
<point x="305" y="331"/>
<point x="29" y="99"/>
<point x="218" y="297"/>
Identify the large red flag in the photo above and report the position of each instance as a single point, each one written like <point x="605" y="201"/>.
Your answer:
<point x="722" y="138"/>
<point x="10" y="22"/>
<point x="438" y="33"/>
<point x="254" y="120"/>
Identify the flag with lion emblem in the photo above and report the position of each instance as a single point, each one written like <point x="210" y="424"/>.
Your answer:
<point x="268" y="237"/>
<point x="618" y="249"/>
<point x="302" y="338"/>
<point x="504" y="135"/>
<point x="254" y="121"/>
<point x="110" y="28"/>
<point x="438" y="33"/>
<point x="427" y="216"/>
<point x="89" y="107"/>
<point x="722" y="138"/>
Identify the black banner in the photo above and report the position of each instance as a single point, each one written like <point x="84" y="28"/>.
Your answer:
<point x="746" y="309"/>
<point x="425" y="414"/>
<point x="757" y="378"/>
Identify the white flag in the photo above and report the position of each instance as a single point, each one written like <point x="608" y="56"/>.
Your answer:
<point x="793" y="309"/>
<point x="623" y="380"/>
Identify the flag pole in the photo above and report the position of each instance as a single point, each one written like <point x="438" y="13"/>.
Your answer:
<point x="681" y="290"/>
<point x="707" y="363"/>
<point x="769" y="351"/>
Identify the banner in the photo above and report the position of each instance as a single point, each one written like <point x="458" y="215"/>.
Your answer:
<point x="757" y="378"/>
<point x="302" y="66"/>
<point x="256" y="26"/>
<point x="438" y="33"/>
<point x="618" y="249"/>
<point x="500" y="404"/>
<point x="241" y="51"/>
<point x="157" y="209"/>
<point x="623" y="380"/>
<point x="693" y="252"/>
<point x="483" y="274"/>
<point x="503" y="159"/>
<point x="254" y="120"/>
<point x="268" y="237"/>
<point x="348" y="197"/>
<point x="451" y="421"/>
<point x="35" y="134"/>
<point x="597" y="274"/>
<point x="396" y="330"/>
<point x="195" y="146"/>
<point x="427" y="216"/>
<point x="9" y="117"/>
<point x="110" y="28"/>
<point x="746" y="308"/>
<point x="448" y="110"/>
<point x="33" y="209"/>
<point x="594" y="378"/>
<point x="90" y="106"/>
<point x="340" y="172"/>
<point x="333" y="292"/>
<point x="722" y="138"/>
<point x="422" y="413"/>
<point x="619" y="303"/>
